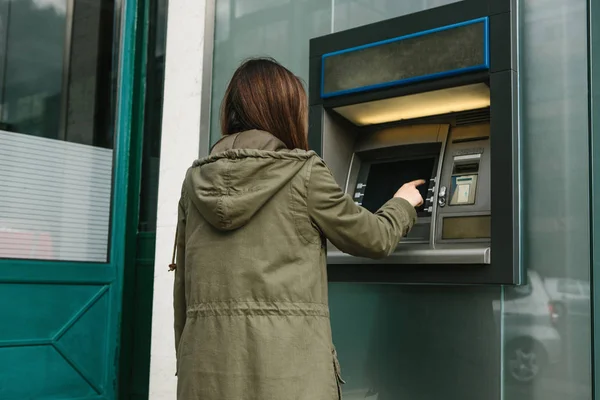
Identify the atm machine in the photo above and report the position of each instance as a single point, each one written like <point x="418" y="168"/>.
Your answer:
<point x="431" y="96"/>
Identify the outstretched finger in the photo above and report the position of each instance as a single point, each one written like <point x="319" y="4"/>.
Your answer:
<point x="418" y="182"/>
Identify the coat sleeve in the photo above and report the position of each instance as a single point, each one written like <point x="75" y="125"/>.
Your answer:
<point x="350" y="227"/>
<point x="179" y="297"/>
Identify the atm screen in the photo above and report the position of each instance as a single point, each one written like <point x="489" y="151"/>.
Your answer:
<point x="385" y="178"/>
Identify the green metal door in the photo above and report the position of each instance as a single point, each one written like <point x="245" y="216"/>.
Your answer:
<point x="68" y="92"/>
<point x="138" y="283"/>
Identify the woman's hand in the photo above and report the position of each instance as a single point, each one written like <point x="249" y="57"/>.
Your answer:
<point x="410" y="193"/>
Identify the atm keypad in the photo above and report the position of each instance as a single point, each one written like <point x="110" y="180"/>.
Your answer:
<point x="359" y="193"/>
<point x="428" y="200"/>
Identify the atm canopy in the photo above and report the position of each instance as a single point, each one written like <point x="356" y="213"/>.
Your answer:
<point x="459" y="48"/>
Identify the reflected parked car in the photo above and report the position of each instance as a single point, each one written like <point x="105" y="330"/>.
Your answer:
<point x="570" y="297"/>
<point x="531" y="342"/>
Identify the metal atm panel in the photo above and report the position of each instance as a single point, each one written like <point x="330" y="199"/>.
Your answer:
<point x="465" y="189"/>
<point x="432" y="95"/>
<point x="433" y="152"/>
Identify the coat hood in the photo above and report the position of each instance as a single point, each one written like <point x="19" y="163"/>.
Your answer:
<point x="244" y="171"/>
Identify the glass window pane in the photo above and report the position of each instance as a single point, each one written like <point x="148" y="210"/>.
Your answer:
<point x="155" y="76"/>
<point x="439" y="342"/>
<point x="417" y="342"/>
<point x="547" y="341"/>
<point x="56" y="132"/>
<point x="352" y="13"/>
<point x="250" y="28"/>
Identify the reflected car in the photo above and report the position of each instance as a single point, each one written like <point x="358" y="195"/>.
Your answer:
<point x="570" y="297"/>
<point x="531" y="341"/>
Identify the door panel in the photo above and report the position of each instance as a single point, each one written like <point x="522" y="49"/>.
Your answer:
<point x="61" y="347"/>
<point x="66" y="82"/>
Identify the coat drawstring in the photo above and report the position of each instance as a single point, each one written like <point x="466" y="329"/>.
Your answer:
<point x="173" y="265"/>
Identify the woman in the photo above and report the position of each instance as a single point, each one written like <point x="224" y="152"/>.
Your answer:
<point x="250" y="297"/>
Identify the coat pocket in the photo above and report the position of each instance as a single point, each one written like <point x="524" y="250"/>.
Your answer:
<point x="338" y="373"/>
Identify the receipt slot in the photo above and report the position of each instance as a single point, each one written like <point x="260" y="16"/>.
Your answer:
<point x="430" y="96"/>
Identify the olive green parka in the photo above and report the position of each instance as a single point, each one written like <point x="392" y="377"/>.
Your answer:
<point x="250" y="292"/>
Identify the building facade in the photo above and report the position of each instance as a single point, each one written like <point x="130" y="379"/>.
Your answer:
<point x="105" y="104"/>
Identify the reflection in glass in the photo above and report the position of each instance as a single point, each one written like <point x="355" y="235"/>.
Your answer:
<point x="56" y="133"/>
<point x="403" y="342"/>
<point x="155" y="76"/>
<point x="551" y="359"/>
<point x="33" y="47"/>
<point x="532" y="342"/>
<point x="352" y="13"/>
<point x="250" y="28"/>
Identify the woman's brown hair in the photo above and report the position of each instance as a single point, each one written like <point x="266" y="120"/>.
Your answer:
<point x="266" y="96"/>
